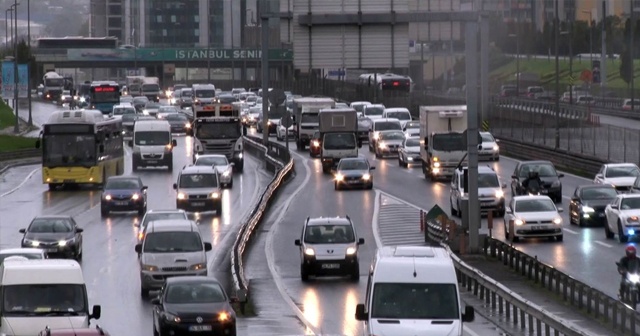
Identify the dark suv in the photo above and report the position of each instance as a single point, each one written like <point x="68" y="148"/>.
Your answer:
<point x="551" y="184"/>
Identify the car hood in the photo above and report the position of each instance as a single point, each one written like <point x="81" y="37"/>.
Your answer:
<point x="597" y="203"/>
<point x="222" y="169"/>
<point x="198" y="191"/>
<point x="537" y="216"/>
<point x="630" y="212"/>
<point x="412" y="149"/>
<point x="352" y="172"/>
<point x="330" y="251"/>
<point x="30" y="326"/>
<point x="626" y="181"/>
<point x="173" y="259"/>
<point x="121" y="192"/>
<point x="545" y="179"/>
<point x="49" y="236"/>
<point x="488" y="192"/>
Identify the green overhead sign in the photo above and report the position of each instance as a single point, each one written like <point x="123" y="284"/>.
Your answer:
<point x="189" y="54"/>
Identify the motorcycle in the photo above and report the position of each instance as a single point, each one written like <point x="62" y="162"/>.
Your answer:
<point x="631" y="290"/>
<point x="533" y="189"/>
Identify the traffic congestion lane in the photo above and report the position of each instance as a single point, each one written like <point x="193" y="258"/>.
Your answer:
<point x="109" y="261"/>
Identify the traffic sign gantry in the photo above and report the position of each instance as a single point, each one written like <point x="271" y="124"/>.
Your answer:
<point x="276" y="97"/>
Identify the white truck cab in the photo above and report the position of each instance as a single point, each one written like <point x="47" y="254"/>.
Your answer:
<point x="40" y="293"/>
<point x="413" y="288"/>
<point x="152" y="144"/>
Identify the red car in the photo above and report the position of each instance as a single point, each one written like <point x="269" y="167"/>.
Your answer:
<point x="315" y="146"/>
<point x="74" y="332"/>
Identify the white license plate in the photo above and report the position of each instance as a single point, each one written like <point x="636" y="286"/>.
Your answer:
<point x="330" y="266"/>
<point x="52" y="250"/>
<point x="121" y="203"/>
<point x="198" y="204"/>
<point x="152" y="161"/>
<point x="537" y="228"/>
<point x="352" y="181"/>
<point x="200" y="328"/>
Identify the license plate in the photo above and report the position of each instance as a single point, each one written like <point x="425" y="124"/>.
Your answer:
<point x="536" y="228"/>
<point x="121" y="203"/>
<point x="601" y="215"/>
<point x="152" y="161"/>
<point x="352" y="182"/>
<point x="198" y="204"/>
<point x="52" y="250"/>
<point x="200" y="328"/>
<point x="393" y="150"/>
<point x="69" y="181"/>
<point x="330" y="266"/>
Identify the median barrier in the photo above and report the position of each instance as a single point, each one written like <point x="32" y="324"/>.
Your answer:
<point x="20" y="154"/>
<point x="278" y="160"/>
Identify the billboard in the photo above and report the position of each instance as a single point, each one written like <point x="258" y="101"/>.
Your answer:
<point x="175" y="54"/>
<point x="23" y="80"/>
<point x="8" y="79"/>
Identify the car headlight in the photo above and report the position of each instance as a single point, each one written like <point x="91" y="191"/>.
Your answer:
<point x="181" y="196"/>
<point x="557" y="220"/>
<point x="145" y="112"/>
<point x="499" y="194"/>
<point x="83" y="99"/>
<point x="351" y="250"/>
<point x="309" y="251"/>
<point x="135" y="197"/>
<point x="215" y="195"/>
<point x="316" y="143"/>
<point x="269" y="123"/>
<point x="366" y="177"/>
<point x="149" y="268"/>
<point x="376" y="135"/>
<point x="33" y="243"/>
<point x="496" y="148"/>
<point x="555" y="184"/>
<point x="172" y="318"/>
<point x="107" y="197"/>
<point x="587" y="209"/>
<point x="226" y="173"/>
<point x="436" y="164"/>
<point x="224" y="316"/>
<point x="339" y="177"/>
<point x="519" y="222"/>
<point x="197" y="267"/>
<point x="632" y="219"/>
<point x="635" y="278"/>
<point x="382" y="145"/>
<point x="187" y="125"/>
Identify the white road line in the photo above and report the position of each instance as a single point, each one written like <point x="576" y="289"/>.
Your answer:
<point x="21" y="183"/>
<point x="270" y="253"/>
<point x="571" y="231"/>
<point x="603" y="244"/>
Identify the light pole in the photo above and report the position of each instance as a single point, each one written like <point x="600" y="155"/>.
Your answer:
<point x="16" y="128"/>
<point x="632" y="28"/>
<point x="30" y="122"/>
<point x="568" y="33"/>
<point x="8" y="24"/>
<point x="556" y="40"/>
<point x="590" y="34"/>
<point x="515" y="36"/>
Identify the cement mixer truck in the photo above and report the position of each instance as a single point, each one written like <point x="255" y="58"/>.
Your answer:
<point x="53" y="86"/>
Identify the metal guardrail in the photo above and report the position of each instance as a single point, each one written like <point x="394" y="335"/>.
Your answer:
<point x="20" y="154"/>
<point x="254" y="145"/>
<point x="593" y="302"/>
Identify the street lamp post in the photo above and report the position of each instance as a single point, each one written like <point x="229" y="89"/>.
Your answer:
<point x="30" y="122"/>
<point x="568" y="33"/>
<point x="515" y="36"/>
<point x="632" y="52"/>
<point x="556" y="40"/>
<point x="16" y="128"/>
<point x="8" y="24"/>
<point x="590" y="33"/>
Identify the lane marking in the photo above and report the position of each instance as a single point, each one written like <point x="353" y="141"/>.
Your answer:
<point x="26" y="179"/>
<point x="603" y="244"/>
<point x="571" y="231"/>
<point x="269" y="251"/>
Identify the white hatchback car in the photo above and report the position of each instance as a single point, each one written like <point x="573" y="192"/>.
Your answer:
<point x="620" y="175"/>
<point x="409" y="153"/>
<point x="533" y="216"/>
<point x="623" y="217"/>
<point x="490" y="149"/>
<point x="222" y="165"/>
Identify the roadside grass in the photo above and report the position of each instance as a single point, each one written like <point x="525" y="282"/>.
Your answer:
<point x="10" y="143"/>
<point x="7" y="118"/>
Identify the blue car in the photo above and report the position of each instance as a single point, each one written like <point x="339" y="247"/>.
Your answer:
<point x="123" y="193"/>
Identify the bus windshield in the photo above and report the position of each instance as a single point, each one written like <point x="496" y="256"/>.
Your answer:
<point x="34" y="299"/>
<point x="220" y="130"/>
<point x="69" y="150"/>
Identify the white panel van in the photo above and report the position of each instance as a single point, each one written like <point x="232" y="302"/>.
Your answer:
<point x="152" y="144"/>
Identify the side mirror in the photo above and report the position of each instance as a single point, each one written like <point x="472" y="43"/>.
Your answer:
<point x="360" y="314"/>
<point x="138" y="248"/>
<point x="96" y="312"/>
<point x="37" y="143"/>
<point x="497" y="140"/>
<point x="575" y="199"/>
<point x="174" y="142"/>
<point x="130" y="143"/>
<point x="207" y="247"/>
<point x="599" y="176"/>
<point x="372" y="168"/>
<point x="79" y="230"/>
<point x="145" y="188"/>
<point x="361" y="241"/>
<point x="175" y="186"/>
<point x="22" y="230"/>
<point x="479" y="147"/>
<point x="297" y="242"/>
<point x="560" y="210"/>
<point x="155" y="301"/>
<point x="359" y="143"/>
<point x="469" y="314"/>
<point x="101" y="148"/>
<point x="560" y="175"/>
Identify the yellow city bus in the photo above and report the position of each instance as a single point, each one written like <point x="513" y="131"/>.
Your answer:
<point x="80" y="147"/>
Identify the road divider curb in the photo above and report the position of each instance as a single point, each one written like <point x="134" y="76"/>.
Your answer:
<point x="278" y="159"/>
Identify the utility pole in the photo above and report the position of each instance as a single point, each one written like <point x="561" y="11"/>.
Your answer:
<point x="556" y="29"/>
<point x="471" y="59"/>
<point x="603" y="55"/>
<point x="264" y="21"/>
<point x="632" y="53"/>
<point x="30" y="122"/>
<point x="16" y="129"/>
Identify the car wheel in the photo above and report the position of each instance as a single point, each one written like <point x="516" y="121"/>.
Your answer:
<point x="336" y="186"/>
<point x="218" y="209"/>
<point x="559" y="238"/>
<point x="230" y="185"/>
<point x="355" y="275"/>
<point x="142" y="211"/>
<point x="304" y="275"/>
<point x="155" y="331"/>
<point x="104" y="212"/>
<point x="144" y="292"/>
<point x="607" y="232"/>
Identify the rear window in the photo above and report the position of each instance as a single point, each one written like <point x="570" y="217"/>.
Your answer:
<point x="387" y="126"/>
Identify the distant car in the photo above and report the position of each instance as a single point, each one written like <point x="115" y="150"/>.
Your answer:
<point x="120" y="110"/>
<point x="26" y="252"/>
<point x="588" y="203"/>
<point x="124" y="193"/>
<point x="623" y="217"/>
<point x="164" y="111"/>
<point x="389" y="142"/>
<point x="56" y="235"/>
<point x="151" y="109"/>
<point x="409" y="153"/>
<point x="139" y="102"/>
<point x="198" y="190"/>
<point x="66" y="97"/>
<point x="533" y="216"/>
<point x="620" y="175"/>
<point x="329" y="246"/>
<point x="193" y="305"/>
<point x="315" y="145"/>
<point x="490" y="149"/>
<point x="126" y="99"/>
<point x="156" y="215"/>
<point x="74" y="332"/>
<point x="281" y="133"/>
<point x="222" y="165"/>
<point x="551" y="184"/>
<point x="179" y="122"/>
<point x="353" y="172"/>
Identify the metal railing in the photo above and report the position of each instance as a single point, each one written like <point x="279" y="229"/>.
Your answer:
<point x="240" y="283"/>
<point x="20" y="154"/>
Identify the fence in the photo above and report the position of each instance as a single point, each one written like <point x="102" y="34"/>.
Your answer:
<point x="20" y="154"/>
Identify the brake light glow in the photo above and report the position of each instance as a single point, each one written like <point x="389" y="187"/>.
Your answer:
<point x="396" y="83"/>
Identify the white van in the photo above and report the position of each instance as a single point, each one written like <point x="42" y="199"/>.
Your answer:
<point x="399" y="113"/>
<point x="40" y="293"/>
<point x="152" y="144"/>
<point x="413" y="288"/>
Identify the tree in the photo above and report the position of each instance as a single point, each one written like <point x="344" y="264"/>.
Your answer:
<point x="626" y="67"/>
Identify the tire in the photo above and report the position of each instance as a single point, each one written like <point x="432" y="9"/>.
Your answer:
<point x="500" y="213"/>
<point x="142" y="211"/>
<point x="607" y="233"/>
<point x="370" y="148"/>
<point x="299" y="145"/>
<point x="170" y="167"/>
<point x="218" y="209"/>
<point x="559" y="238"/>
<point x="621" y="236"/>
<point x="239" y="167"/>
<point x="104" y="212"/>
<point x="304" y="275"/>
<point x="335" y="186"/>
<point x="378" y="155"/>
<point x="53" y="186"/>
<point x="355" y="275"/>
<point x="144" y="292"/>
<point x="230" y="185"/>
<point x="370" y="186"/>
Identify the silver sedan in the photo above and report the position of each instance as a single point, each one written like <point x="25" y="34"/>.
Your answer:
<point x="220" y="162"/>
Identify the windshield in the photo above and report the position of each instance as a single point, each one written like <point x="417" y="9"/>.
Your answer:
<point x="252" y="98"/>
<point x="176" y="117"/>
<point x="487" y="137"/>
<point x="387" y="126"/>
<point x="329" y="234"/>
<point x="66" y="93"/>
<point x="186" y="93"/>
<point x="227" y="99"/>
<point x="105" y="96"/>
<point x="543" y="170"/>
<point x="50" y="225"/>
<point x="170" y="242"/>
<point x="485" y="181"/>
<point x="623" y="171"/>
<point x="412" y="125"/>
<point x="123" y="184"/>
<point x="140" y="100"/>
<point x="30" y="256"/>
<point x="535" y="205"/>
<point x="448" y="142"/>
<point x="124" y="110"/>
<point x="150" y="87"/>
<point x="190" y="293"/>
<point x="44" y="300"/>
<point x="152" y="138"/>
<point x="399" y="115"/>
<point x="211" y="161"/>
<point x="69" y="150"/>
<point x="353" y="165"/>
<point x="309" y="118"/>
<point x="54" y="81"/>
<point x="392" y="136"/>
<point x="152" y="105"/>
<point x="198" y="181"/>
<point x="536" y="90"/>
<point x="219" y="130"/>
<point x="167" y="109"/>
<point x="205" y="93"/>
<point x="599" y="193"/>
<point x="415" y="301"/>
<point x="339" y="141"/>
<point x="373" y="111"/>
<point x="631" y="203"/>
<point x="358" y="107"/>
<point x="128" y="117"/>
<point x="412" y="143"/>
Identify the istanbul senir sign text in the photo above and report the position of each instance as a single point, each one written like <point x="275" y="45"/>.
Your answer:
<point x="157" y="54"/>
